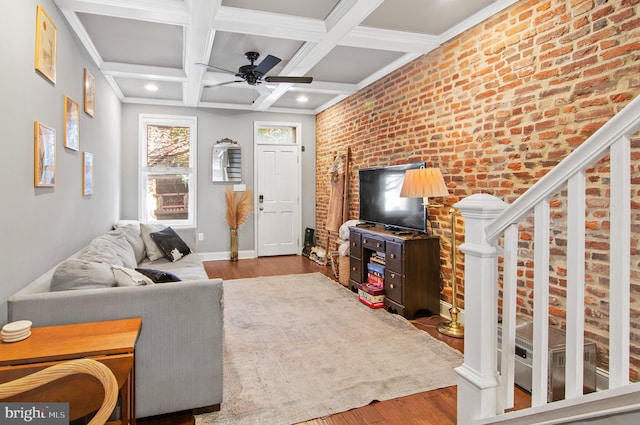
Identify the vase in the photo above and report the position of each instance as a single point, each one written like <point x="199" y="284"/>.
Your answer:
<point x="233" y="251"/>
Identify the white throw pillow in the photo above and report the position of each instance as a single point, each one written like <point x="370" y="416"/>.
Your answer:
<point x="153" y="250"/>
<point x="130" y="277"/>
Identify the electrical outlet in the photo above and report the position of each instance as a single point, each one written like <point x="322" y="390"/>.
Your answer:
<point x="200" y="237"/>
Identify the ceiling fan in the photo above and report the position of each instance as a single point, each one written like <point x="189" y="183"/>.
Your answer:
<point x="255" y="74"/>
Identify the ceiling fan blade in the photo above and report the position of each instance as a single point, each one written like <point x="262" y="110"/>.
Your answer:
<point x="223" y="84"/>
<point x="278" y="79"/>
<point x="267" y="64"/>
<point x="216" y="68"/>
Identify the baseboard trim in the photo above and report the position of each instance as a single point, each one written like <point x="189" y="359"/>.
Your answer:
<point x="444" y="312"/>
<point x="224" y="255"/>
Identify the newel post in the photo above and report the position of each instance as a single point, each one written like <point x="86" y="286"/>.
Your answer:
<point x="477" y="376"/>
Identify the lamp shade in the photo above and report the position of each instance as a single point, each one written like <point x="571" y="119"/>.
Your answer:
<point x="423" y="183"/>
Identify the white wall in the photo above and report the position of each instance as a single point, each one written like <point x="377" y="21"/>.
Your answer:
<point x="214" y="125"/>
<point x="41" y="226"/>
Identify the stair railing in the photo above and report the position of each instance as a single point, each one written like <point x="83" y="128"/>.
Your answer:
<point x="483" y="392"/>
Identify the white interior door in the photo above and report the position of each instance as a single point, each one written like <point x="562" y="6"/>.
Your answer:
<point x="278" y="199"/>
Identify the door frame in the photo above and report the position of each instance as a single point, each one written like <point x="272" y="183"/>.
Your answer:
<point x="298" y="144"/>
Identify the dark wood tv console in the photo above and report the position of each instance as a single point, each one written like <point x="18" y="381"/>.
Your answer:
<point x="411" y="268"/>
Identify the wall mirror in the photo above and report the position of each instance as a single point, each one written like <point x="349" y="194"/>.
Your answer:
<point x="226" y="162"/>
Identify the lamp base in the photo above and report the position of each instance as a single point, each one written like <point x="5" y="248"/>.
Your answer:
<point x="453" y="329"/>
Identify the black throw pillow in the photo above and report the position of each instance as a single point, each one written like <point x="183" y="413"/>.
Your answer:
<point x="159" y="276"/>
<point x="171" y="244"/>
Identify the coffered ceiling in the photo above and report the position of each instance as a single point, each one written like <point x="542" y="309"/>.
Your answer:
<point x="343" y="44"/>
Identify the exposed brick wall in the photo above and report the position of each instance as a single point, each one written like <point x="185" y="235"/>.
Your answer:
<point x="495" y="109"/>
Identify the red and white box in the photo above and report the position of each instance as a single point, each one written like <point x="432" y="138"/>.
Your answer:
<point x="371" y="295"/>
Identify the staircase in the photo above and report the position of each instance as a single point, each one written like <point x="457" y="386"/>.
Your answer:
<point x="492" y="257"/>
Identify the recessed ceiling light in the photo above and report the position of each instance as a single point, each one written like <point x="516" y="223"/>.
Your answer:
<point x="151" y="87"/>
<point x="302" y="99"/>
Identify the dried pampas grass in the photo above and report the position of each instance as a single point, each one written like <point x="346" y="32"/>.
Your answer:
<point x="239" y="205"/>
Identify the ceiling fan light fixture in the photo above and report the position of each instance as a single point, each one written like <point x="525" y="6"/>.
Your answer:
<point x="256" y="74"/>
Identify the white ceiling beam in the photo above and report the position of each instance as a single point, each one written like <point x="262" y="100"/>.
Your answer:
<point x="245" y="21"/>
<point x="394" y="41"/>
<point x="151" y="101"/>
<point x="198" y="40"/>
<point x="173" y="12"/>
<point x="263" y="103"/>
<point x="346" y="16"/>
<point x="157" y="73"/>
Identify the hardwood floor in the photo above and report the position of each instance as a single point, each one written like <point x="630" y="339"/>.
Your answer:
<point x="433" y="407"/>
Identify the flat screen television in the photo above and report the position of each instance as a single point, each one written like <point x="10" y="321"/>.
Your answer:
<point x="380" y="200"/>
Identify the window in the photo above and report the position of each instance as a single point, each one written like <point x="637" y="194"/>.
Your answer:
<point x="272" y="133"/>
<point x="167" y="170"/>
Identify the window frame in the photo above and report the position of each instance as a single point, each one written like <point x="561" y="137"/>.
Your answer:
<point x="144" y="171"/>
<point x="257" y="125"/>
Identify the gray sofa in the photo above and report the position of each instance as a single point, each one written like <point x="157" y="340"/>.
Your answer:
<point x="178" y="356"/>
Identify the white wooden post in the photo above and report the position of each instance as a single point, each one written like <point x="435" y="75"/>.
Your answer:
<point x="477" y="376"/>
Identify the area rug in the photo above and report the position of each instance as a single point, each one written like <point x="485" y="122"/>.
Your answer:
<point x="299" y="347"/>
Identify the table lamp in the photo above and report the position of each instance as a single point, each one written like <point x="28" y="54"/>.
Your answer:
<point x="425" y="183"/>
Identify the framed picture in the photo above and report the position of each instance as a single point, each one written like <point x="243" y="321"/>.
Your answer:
<point x="45" y="155"/>
<point x="87" y="173"/>
<point x="71" y="124"/>
<point x="46" y="36"/>
<point x="89" y="92"/>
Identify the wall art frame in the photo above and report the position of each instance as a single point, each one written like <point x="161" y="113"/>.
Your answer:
<point x="89" y="93"/>
<point x="87" y="173"/>
<point x="46" y="45"/>
<point x="44" y="155"/>
<point x="71" y="124"/>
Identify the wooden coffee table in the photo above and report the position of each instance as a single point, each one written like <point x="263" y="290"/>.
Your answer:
<point x="111" y="343"/>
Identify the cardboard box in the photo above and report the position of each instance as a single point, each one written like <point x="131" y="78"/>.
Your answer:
<point x="371" y="295"/>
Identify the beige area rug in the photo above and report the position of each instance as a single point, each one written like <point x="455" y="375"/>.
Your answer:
<point x="299" y="347"/>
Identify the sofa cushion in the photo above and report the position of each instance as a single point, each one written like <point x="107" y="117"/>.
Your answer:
<point x="130" y="277"/>
<point x="188" y="268"/>
<point x="153" y="250"/>
<point x="159" y="276"/>
<point x="131" y="230"/>
<point x="77" y="273"/>
<point x="171" y="244"/>
<point x="112" y="248"/>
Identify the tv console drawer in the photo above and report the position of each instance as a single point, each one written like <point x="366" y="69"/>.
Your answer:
<point x="372" y="243"/>
<point x="355" y="269"/>
<point x="356" y="244"/>
<point x="393" y="286"/>
<point x="393" y="256"/>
